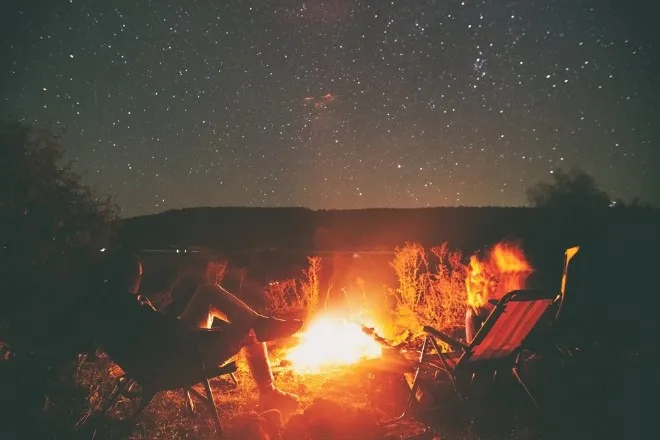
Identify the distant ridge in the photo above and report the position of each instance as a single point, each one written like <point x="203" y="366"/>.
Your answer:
<point x="376" y="229"/>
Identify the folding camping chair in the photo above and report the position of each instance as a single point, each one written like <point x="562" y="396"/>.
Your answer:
<point x="152" y="379"/>
<point x="544" y="337"/>
<point x="496" y="346"/>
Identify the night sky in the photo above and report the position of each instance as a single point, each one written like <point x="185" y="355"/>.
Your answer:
<point x="339" y="103"/>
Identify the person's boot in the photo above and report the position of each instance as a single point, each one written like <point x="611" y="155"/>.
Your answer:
<point x="268" y="329"/>
<point x="269" y="396"/>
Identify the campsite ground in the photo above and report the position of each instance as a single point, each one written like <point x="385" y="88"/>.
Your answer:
<point x="596" y="394"/>
<point x="591" y="396"/>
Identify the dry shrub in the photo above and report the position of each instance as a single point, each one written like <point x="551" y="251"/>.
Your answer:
<point x="428" y="294"/>
<point x="282" y="297"/>
<point x="447" y="297"/>
<point x="296" y="296"/>
<point x="309" y="286"/>
<point x="216" y="271"/>
<point x="412" y="269"/>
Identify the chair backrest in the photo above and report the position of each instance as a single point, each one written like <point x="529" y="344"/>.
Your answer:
<point x="568" y="256"/>
<point x="514" y="317"/>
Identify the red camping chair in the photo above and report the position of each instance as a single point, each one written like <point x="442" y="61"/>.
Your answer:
<point x="497" y="346"/>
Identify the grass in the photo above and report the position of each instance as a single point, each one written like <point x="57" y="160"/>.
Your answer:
<point x="340" y="389"/>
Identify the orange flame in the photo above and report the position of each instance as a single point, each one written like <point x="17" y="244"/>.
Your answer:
<point x="505" y="269"/>
<point x="332" y="342"/>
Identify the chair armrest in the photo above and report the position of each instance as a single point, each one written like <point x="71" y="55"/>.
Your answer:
<point x="202" y="334"/>
<point x="206" y="330"/>
<point x="454" y="343"/>
<point x="227" y="368"/>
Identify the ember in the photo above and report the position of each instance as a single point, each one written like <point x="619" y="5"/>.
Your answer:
<point x="331" y="342"/>
<point x="503" y="270"/>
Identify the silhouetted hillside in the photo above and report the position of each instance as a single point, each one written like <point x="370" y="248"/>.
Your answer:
<point x="221" y="229"/>
<point x="304" y="230"/>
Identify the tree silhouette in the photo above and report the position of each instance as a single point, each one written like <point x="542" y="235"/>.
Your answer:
<point x="47" y="214"/>
<point x="574" y="189"/>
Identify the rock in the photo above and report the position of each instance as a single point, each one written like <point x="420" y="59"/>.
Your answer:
<point x="273" y="423"/>
<point x="365" y="425"/>
<point x="249" y="426"/>
<point x="296" y="428"/>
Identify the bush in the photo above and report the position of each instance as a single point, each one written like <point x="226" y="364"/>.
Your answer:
<point x="52" y="222"/>
<point x="53" y="226"/>
<point x="296" y="297"/>
<point x="428" y="294"/>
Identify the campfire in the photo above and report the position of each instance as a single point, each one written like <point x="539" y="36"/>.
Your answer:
<point x="329" y="342"/>
<point x="333" y="341"/>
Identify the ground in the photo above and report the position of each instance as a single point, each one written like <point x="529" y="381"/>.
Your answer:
<point x="340" y="389"/>
<point x="342" y="413"/>
<point x="597" y="394"/>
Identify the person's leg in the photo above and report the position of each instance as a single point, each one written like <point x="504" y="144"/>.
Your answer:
<point x="270" y="397"/>
<point x="245" y="330"/>
<point x="212" y="301"/>
<point x="218" y="348"/>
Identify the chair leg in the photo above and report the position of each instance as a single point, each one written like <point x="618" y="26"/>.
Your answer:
<point x="233" y="378"/>
<point x="190" y="406"/>
<point x="112" y="398"/>
<point x="145" y="399"/>
<point x="450" y="372"/>
<point x="212" y="407"/>
<point x="413" y="388"/>
<point x="516" y="374"/>
<point x="121" y="385"/>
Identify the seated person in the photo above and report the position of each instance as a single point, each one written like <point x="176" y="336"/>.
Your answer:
<point x="485" y="289"/>
<point x="193" y="271"/>
<point x="474" y="319"/>
<point x="129" y="318"/>
<point x="196" y="270"/>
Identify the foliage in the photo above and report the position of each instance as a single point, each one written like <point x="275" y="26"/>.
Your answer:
<point x="300" y="297"/>
<point x="282" y="297"/>
<point x="428" y="294"/>
<point x="447" y="302"/>
<point x="310" y="288"/>
<point x="412" y="270"/>
<point x="51" y="222"/>
<point x="52" y="228"/>
<point x="574" y="189"/>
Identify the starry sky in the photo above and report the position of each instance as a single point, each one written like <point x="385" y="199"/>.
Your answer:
<point x="339" y="103"/>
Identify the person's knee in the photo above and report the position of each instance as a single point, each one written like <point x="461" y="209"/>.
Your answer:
<point x="471" y="324"/>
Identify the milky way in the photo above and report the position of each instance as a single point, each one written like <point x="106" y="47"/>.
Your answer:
<point x="339" y="104"/>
